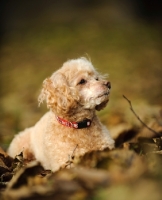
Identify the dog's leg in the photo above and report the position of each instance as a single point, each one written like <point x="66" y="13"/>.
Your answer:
<point x="22" y="143"/>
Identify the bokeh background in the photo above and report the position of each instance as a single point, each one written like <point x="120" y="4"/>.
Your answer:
<point x="123" y="38"/>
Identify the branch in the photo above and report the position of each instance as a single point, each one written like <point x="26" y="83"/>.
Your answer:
<point x="71" y="158"/>
<point x="131" y="108"/>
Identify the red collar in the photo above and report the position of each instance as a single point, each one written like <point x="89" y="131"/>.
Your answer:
<point x="77" y="125"/>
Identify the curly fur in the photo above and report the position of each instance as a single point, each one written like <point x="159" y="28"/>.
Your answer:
<point x="74" y="92"/>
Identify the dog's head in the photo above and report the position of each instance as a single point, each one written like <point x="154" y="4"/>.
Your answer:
<point x="76" y="84"/>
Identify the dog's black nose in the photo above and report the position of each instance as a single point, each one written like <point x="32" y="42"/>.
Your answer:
<point x="108" y="85"/>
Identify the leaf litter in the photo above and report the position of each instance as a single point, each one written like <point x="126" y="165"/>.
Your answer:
<point x="131" y="171"/>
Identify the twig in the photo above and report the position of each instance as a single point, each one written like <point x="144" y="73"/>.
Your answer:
<point x="131" y="108"/>
<point x="71" y="158"/>
<point x="72" y="155"/>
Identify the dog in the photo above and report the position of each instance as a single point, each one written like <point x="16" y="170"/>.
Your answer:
<point x="73" y="94"/>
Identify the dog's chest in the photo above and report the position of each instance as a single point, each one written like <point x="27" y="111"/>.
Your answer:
<point x="85" y="139"/>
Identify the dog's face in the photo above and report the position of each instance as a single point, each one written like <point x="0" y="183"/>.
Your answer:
<point x="76" y="84"/>
<point x="92" y="89"/>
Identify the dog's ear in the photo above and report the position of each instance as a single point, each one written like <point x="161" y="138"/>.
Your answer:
<point x="59" y="96"/>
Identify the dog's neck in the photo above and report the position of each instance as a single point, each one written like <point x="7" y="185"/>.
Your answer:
<point x="77" y="115"/>
<point x="77" y="125"/>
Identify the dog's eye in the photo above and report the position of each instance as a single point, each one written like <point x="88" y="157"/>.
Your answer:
<point x="83" y="81"/>
<point x="97" y="79"/>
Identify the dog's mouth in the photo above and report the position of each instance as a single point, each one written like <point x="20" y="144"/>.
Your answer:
<point x="103" y="98"/>
<point x="104" y="94"/>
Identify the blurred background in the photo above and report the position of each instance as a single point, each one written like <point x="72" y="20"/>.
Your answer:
<point x="123" y="39"/>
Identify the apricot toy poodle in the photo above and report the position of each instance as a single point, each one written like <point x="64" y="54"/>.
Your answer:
<point x="73" y="94"/>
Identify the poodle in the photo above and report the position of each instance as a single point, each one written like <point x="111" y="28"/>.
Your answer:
<point x="71" y="127"/>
